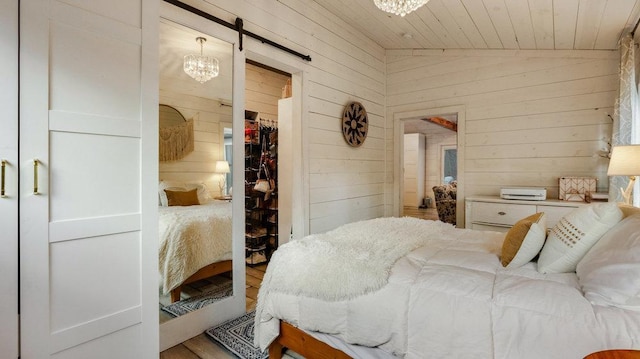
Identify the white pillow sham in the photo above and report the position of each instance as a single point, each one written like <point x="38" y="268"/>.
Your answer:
<point x="610" y="272"/>
<point x="575" y="234"/>
<point x="528" y="241"/>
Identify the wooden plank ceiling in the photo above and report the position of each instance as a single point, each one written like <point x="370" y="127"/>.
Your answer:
<point x="494" y="24"/>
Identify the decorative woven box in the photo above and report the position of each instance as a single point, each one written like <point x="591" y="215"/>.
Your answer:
<point x="576" y="188"/>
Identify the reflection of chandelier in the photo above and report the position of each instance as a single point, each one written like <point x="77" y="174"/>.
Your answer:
<point x="399" y="7"/>
<point x="201" y="68"/>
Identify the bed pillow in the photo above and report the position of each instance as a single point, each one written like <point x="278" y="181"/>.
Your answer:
<point x="172" y="185"/>
<point x="524" y="241"/>
<point x="575" y="234"/>
<point x="182" y="198"/>
<point x="610" y="272"/>
<point x="203" y="192"/>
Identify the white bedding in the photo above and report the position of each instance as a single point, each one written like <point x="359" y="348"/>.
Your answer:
<point x="192" y="237"/>
<point x="453" y="299"/>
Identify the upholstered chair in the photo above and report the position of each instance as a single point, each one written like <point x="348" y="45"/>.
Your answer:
<point x="445" y="198"/>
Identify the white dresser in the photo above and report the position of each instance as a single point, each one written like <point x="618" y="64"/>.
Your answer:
<point x="496" y="214"/>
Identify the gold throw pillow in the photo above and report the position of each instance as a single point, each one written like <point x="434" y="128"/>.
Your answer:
<point x="182" y="198"/>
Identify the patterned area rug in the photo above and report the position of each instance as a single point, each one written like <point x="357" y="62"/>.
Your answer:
<point x="237" y="336"/>
<point x="198" y="301"/>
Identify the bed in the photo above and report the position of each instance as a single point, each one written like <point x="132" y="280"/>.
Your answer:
<point x="446" y="294"/>
<point x="195" y="243"/>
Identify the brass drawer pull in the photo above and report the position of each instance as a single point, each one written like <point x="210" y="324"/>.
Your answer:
<point x="502" y="213"/>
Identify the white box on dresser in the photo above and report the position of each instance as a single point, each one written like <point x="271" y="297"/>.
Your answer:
<point x="496" y="214"/>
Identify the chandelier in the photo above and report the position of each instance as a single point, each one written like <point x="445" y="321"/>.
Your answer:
<point x="201" y="68"/>
<point x="399" y="7"/>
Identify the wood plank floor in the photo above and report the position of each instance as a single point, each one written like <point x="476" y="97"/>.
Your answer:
<point x="424" y="213"/>
<point x="201" y="347"/>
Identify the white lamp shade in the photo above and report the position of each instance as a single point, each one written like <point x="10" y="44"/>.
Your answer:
<point x="222" y="167"/>
<point x="625" y="161"/>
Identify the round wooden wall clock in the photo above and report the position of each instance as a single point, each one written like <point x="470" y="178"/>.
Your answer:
<point x="355" y="124"/>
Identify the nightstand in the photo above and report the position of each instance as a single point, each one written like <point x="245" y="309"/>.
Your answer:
<point x="615" y="354"/>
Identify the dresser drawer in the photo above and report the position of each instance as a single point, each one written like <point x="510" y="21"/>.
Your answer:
<point x="500" y="213"/>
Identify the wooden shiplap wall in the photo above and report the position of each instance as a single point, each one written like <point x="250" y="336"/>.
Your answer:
<point x="531" y="116"/>
<point x="199" y="165"/>
<point x="263" y="89"/>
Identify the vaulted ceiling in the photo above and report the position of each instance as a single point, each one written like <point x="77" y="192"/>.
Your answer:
<point x="494" y="24"/>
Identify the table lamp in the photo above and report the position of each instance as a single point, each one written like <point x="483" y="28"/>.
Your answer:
<point x="222" y="167"/>
<point x="625" y="161"/>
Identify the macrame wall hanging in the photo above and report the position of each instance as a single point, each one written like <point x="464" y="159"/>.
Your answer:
<point x="176" y="134"/>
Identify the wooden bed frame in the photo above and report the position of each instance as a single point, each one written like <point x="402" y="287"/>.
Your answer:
<point x="204" y="272"/>
<point x="302" y="343"/>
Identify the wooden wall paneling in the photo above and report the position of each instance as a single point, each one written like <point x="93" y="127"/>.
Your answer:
<point x="531" y="117"/>
<point x="378" y="32"/>
<point x="512" y="75"/>
<point x="569" y="118"/>
<point x="321" y="17"/>
<point x="567" y="103"/>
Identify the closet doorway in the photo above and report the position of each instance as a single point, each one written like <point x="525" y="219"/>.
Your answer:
<point x="267" y="168"/>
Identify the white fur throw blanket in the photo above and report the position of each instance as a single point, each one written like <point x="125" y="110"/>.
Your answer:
<point x="192" y="237"/>
<point x="349" y="261"/>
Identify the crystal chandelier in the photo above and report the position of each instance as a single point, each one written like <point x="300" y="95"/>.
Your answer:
<point x="201" y="68"/>
<point x="399" y="7"/>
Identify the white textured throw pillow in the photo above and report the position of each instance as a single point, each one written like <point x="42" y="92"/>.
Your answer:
<point x="575" y="234"/>
<point x="610" y="273"/>
<point x="531" y="244"/>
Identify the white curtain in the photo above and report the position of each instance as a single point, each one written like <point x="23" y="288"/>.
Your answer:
<point x="626" y="118"/>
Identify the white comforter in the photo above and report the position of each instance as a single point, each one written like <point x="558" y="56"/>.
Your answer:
<point x="192" y="237"/>
<point x="453" y="299"/>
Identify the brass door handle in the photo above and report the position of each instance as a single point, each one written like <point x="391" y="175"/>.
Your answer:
<point x="35" y="176"/>
<point x="4" y="164"/>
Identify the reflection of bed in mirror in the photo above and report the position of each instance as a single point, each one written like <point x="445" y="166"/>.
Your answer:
<point x="195" y="240"/>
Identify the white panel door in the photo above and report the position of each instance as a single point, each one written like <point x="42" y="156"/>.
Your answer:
<point x="9" y="178"/>
<point x="88" y="121"/>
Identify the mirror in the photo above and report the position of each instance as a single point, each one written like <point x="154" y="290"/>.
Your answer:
<point x="194" y="190"/>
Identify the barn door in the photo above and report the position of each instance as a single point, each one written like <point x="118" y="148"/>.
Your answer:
<point x="88" y="107"/>
<point x="9" y="179"/>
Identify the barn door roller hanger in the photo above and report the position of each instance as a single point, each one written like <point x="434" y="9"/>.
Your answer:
<point x="237" y="26"/>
